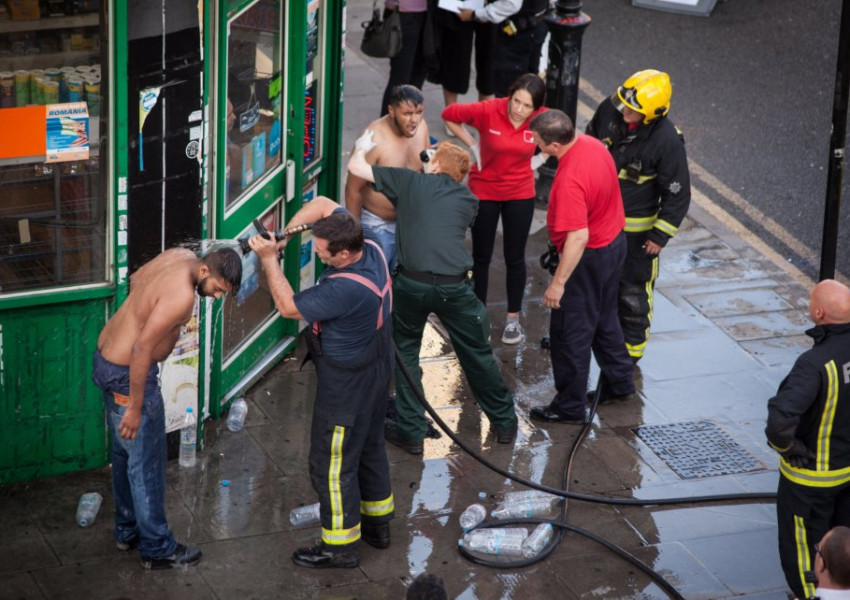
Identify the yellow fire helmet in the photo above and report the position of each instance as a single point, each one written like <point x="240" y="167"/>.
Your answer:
<point x="647" y="92"/>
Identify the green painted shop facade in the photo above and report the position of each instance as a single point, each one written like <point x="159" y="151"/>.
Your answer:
<point x="208" y="116"/>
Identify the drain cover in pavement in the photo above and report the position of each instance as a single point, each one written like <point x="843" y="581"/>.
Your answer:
<point x="697" y="449"/>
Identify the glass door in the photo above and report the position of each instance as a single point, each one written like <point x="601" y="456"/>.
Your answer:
<point x="249" y="184"/>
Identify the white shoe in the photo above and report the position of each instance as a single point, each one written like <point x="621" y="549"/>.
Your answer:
<point x="449" y="132"/>
<point x="512" y="333"/>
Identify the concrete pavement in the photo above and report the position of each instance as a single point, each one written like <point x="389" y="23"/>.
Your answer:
<point x="728" y="325"/>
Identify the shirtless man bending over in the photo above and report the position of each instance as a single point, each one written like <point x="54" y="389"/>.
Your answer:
<point x="137" y="337"/>
<point x="400" y="136"/>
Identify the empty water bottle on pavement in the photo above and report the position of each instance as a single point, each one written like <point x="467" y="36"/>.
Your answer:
<point x="523" y="509"/>
<point x="472" y="516"/>
<point x="522" y="495"/>
<point x="87" y="508"/>
<point x="507" y="542"/>
<point x="538" y="539"/>
<point x="304" y="516"/>
<point x="237" y="414"/>
<point x="188" y="440"/>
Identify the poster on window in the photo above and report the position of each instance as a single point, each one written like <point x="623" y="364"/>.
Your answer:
<point x="67" y="132"/>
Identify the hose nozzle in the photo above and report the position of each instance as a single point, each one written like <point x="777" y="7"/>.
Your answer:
<point x="278" y="234"/>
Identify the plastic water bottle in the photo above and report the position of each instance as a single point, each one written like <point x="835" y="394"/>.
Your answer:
<point x="494" y="541"/>
<point x="237" y="414"/>
<point x="304" y="516"/>
<point x="188" y="440"/>
<point x="526" y="508"/>
<point x="472" y="516"/>
<point x="87" y="508"/>
<point x="538" y="539"/>
<point x="523" y="495"/>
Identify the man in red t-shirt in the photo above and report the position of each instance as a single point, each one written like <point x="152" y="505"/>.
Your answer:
<point x="585" y="219"/>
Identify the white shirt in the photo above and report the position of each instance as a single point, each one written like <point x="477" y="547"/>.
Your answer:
<point x="829" y="594"/>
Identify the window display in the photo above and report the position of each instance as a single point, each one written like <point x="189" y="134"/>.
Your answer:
<point x="53" y="214"/>
<point x="254" y="97"/>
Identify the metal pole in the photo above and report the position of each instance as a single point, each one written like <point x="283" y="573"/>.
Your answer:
<point x="566" y="27"/>
<point x="836" y="148"/>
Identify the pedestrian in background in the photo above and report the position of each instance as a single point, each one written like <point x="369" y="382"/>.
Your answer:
<point x="350" y="342"/>
<point x="503" y="180"/>
<point x="433" y="212"/>
<point x="649" y="153"/>
<point x="585" y="219"/>
<point x="520" y="33"/>
<point x="808" y="424"/>
<point x="408" y="66"/>
<point x="457" y="39"/>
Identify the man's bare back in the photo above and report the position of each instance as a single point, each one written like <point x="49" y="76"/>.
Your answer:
<point x="401" y="135"/>
<point x="162" y="295"/>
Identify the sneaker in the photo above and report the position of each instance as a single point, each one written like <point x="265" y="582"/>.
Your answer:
<point x="318" y="557"/>
<point x="130" y="545"/>
<point x="512" y="333"/>
<point x="182" y="556"/>
<point x="449" y="132"/>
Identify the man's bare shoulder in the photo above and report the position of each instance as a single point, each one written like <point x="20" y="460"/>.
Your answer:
<point x="394" y="150"/>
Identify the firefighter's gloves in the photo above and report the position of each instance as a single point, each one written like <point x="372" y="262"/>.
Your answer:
<point x="797" y="455"/>
<point x="365" y="142"/>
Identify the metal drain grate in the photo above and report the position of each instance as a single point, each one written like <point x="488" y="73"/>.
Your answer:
<point x="697" y="449"/>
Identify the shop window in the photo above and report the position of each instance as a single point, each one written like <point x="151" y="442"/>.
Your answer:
<point x="313" y="84"/>
<point x="53" y="209"/>
<point x="254" y="97"/>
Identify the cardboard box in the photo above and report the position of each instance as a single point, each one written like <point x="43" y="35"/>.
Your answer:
<point x="24" y="10"/>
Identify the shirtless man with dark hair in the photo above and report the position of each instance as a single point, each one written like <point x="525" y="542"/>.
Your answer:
<point x="132" y="343"/>
<point x="401" y="135"/>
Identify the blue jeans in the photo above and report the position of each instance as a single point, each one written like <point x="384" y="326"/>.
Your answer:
<point x="138" y="466"/>
<point x="387" y="241"/>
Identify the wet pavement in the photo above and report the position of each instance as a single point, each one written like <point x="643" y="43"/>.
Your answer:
<point x="728" y="325"/>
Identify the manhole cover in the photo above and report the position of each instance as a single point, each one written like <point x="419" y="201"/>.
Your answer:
<point x="697" y="449"/>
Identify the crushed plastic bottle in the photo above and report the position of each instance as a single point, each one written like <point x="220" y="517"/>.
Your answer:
<point x="524" y="509"/>
<point x="188" y="440"/>
<point x="495" y="541"/>
<point x="524" y="495"/>
<point x="538" y="539"/>
<point x="87" y="508"/>
<point x="305" y="516"/>
<point x="236" y="415"/>
<point x="472" y="516"/>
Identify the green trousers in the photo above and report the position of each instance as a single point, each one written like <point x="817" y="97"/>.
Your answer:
<point x="465" y="318"/>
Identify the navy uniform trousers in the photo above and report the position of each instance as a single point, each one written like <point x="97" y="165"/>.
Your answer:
<point x="587" y="320"/>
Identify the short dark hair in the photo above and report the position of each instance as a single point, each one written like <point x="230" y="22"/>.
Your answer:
<point x="341" y="230"/>
<point x="553" y="126"/>
<point x="226" y="264"/>
<point x="532" y="84"/>
<point x="427" y="586"/>
<point x="835" y="552"/>
<point x="402" y="94"/>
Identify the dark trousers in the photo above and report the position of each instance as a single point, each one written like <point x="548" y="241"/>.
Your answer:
<point x="516" y="218"/>
<point x="587" y="320"/>
<point x="456" y="42"/>
<point x="515" y="55"/>
<point x="636" y="297"/>
<point x="465" y="318"/>
<point x="348" y="458"/>
<point x="803" y="515"/>
<point x="408" y="66"/>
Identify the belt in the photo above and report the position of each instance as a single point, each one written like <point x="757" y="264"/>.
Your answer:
<point x="433" y="278"/>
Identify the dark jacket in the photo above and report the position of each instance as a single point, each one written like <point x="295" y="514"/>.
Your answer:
<point x="813" y="405"/>
<point x="653" y="171"/>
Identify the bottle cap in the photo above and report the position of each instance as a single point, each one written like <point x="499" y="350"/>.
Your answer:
<point x="482" y="495"/>
<point x="189" y="409"/>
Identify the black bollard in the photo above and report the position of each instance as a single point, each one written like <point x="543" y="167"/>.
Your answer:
<point x="566" y="27"/>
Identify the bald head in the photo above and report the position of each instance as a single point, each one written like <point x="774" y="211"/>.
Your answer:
<point x="829" y="303"/>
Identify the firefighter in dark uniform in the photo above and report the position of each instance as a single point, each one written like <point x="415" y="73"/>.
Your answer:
<point x="649" y="152"/>
<point x="521" y="31"/>
<point x="350" y="342"/>
<point x="434" y="211"/>
<point x="808" y="424"/>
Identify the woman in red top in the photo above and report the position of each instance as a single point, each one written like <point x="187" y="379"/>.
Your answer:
<point x="503" y="180"/>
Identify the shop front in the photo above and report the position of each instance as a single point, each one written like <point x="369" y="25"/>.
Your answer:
<point x="127" y="129"/>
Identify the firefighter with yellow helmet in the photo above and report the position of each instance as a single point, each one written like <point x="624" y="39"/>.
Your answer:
<point x="649" y="152"/>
